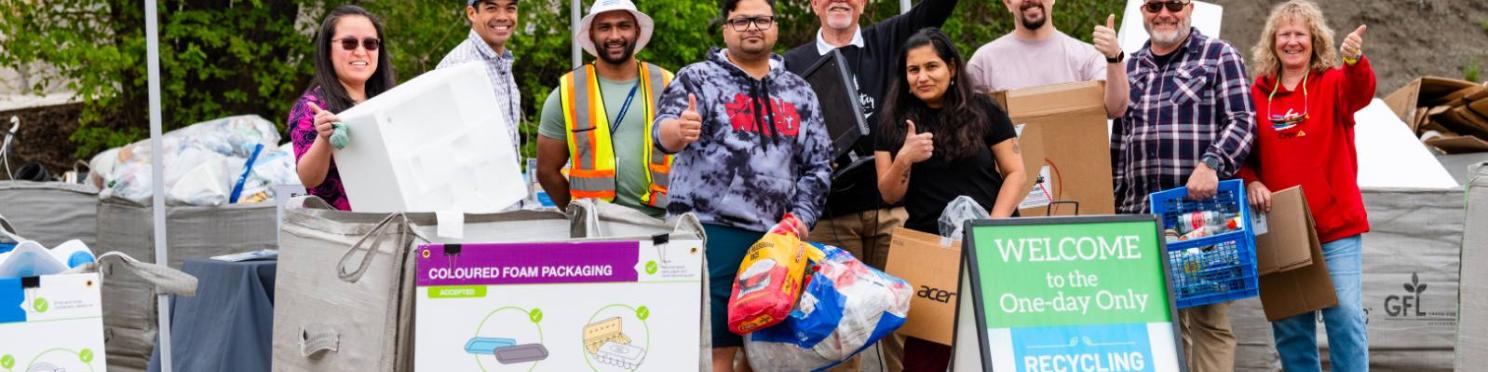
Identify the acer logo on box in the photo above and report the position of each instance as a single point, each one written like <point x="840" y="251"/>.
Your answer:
<point x="935" y="294"/>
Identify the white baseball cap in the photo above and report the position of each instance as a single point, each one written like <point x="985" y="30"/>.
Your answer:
<point x="602" y="6"/>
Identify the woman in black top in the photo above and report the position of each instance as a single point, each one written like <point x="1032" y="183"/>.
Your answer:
<point x="939" y="139"/>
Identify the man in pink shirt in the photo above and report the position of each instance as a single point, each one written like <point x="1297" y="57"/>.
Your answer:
<point x="1037" y="54"/>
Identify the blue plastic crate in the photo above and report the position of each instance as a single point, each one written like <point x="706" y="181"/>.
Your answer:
<point x="1216" y="268"/>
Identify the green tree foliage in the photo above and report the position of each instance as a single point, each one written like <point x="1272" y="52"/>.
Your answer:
<point x="229" y="57"/>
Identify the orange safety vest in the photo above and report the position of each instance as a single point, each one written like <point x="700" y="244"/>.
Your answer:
<point x="591" y="171"/>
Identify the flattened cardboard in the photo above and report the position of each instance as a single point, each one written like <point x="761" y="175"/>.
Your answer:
<point x="1480" y="106"/>
<point x="1290" y="292"/>
<point x="930" y="268"/>
<point x="1072" y="115"/>
<point x="1285" y="247"/>
<point x="1456" y="144"/>
<point x="1421" y="92"/>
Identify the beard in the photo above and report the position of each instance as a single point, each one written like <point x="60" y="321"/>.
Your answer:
<point x="1169" y="37"/>
<point x="604" y="52"/>
<point x="1030" y="22"/>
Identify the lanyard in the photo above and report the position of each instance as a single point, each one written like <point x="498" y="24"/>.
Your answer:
<point x="625" y="107"/>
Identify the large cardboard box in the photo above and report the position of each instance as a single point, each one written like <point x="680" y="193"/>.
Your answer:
<point x="929" y="263"/>
<point x="1066" y="123"/>
<point x="1294" y="276"/>
<point x="51" y="323"/>
<point x="436" y="143"/>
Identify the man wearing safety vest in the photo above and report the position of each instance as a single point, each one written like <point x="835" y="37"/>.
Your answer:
<point x="598" y="120"/>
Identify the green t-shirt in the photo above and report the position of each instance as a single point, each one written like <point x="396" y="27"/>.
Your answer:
<point x="629" y="139"/>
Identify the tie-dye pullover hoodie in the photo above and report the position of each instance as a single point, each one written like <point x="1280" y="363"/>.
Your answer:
<point x="763" y="150"/>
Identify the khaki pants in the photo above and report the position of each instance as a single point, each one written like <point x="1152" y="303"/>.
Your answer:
<point x="1208" y="343"/>
<point x="867" y="235"/>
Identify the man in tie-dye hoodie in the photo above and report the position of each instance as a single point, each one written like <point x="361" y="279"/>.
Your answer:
<point x="751" y="146"/>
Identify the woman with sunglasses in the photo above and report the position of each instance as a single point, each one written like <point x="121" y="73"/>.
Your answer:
<point x="939" y="140"/>
<point x="350" y="67"/>
<point x="1305" y="102"/>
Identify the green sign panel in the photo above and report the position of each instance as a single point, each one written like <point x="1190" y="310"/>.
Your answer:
<point x="1068" y="294"/>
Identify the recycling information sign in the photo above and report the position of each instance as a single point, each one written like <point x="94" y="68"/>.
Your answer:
<point x="605" y="306"/>
<point x="1066" y="294"/>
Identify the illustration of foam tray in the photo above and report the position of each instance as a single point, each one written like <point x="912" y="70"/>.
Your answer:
<point x="623" y="356"/>
<point x="506" y="350"/>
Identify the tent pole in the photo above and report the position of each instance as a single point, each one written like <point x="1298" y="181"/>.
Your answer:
<point x="157" y="174"/>
<point x="573" y="29"/>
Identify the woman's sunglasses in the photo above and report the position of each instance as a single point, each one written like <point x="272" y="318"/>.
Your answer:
<point x="1173" y="6"/>
<point x="371" y="44"/>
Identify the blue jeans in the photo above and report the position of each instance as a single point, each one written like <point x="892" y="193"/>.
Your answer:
<point x="1348" y="343"/>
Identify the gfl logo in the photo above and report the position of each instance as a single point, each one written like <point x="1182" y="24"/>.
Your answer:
<point x="1401" y="305"/>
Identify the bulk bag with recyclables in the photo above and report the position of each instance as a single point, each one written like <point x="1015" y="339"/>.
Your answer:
<point x="769" y="279"/>
<point x="845" y="307"/>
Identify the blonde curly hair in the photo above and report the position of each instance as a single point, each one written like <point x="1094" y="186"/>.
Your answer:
<point x="1324" y="53"/>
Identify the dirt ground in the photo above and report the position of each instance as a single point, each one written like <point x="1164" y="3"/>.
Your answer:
<point x="1405" y="39"/>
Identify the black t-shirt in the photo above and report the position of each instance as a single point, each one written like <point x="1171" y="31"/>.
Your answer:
<point x="872" y="66"/>
<point x="935" y="182"/>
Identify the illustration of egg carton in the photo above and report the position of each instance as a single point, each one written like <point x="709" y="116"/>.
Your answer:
<point x="598" y="333"/>
<point x="618" y="355"/>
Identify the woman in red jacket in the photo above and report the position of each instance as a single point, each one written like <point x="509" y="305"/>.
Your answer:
<point x="1305" y="101"/>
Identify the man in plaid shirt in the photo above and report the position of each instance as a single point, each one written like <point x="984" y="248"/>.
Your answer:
<point x="1189" y="123"/>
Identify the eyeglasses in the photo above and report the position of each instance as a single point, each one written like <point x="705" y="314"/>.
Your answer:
<point x="1173" y="6"/>
<point x="1290" y="119"/>
<point x="742" y="24"/>
<point x="371" y="44"/>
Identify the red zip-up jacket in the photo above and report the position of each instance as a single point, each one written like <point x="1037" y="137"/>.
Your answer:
<point x="1319" y="152"/>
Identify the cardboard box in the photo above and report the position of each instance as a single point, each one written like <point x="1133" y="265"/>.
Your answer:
<point x="927" y="262"/>
<point x="1458" y="144"/>
<point x="1424" y="91"/>
<point x="1294" y="276"/>
<point x="51" y="323"/>
<point x="1077" y="172"/>
<point x="436" y="143"/>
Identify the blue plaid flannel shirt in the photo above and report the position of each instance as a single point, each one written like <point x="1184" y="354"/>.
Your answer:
<point x="1196" y="107"/>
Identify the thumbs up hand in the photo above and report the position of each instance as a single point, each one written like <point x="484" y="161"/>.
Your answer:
<point x="323" y="121"/>
<point x="1105" y="38"/>
<point x="685" y="129"/>
<point x="1353" y="45"/>
<point x="917" y="147"/>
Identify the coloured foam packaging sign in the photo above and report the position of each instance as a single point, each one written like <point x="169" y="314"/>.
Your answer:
<point x="51" y="323"/>
<point x="569" y="306"/>
<point x="1066" y="294"/>
<point x="436" y="143"/>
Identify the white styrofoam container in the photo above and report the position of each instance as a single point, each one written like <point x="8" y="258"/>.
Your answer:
<point x="436" y="143"/>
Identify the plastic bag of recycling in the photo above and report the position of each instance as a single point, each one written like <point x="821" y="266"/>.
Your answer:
<point x="955" y="215"/>
<point x="845" y="307"/>
<point x="204" y="182"/>
<point x="769" y="279"/>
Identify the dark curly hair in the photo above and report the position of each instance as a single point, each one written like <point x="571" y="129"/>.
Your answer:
<point x="961" y="105"/>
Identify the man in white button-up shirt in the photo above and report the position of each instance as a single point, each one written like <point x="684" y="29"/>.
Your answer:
<point x="492" y="23"/>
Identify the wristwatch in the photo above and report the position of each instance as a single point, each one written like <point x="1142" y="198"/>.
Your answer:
<point x="1119" y="56"/>
<point x="1211" y="162"/>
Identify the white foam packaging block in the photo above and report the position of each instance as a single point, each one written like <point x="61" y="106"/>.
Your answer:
<point x="435" y="143"/>
<point x="1206" y="17"/>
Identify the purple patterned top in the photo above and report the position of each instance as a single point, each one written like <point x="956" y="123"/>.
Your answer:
<point x="302" y="131"/>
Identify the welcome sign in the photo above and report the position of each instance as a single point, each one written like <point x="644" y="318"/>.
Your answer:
<point x="1066" y="294"/>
